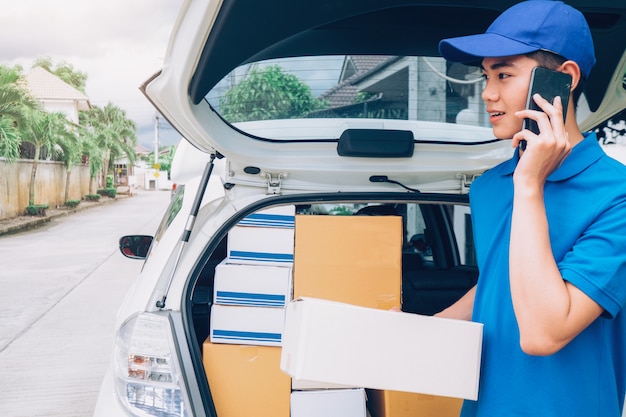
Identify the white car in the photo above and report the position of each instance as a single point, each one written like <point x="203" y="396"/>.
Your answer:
<point x="315" y="111"/>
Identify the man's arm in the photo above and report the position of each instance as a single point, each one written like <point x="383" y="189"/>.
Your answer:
<point x="550" y="311"/>
<point x="462" y="308"/>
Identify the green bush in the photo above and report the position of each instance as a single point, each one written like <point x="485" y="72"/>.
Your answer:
<point x="92" y="197"/>
<point x="108" y="192"/>
<point x="72" y="203"/>
<point x="37" y="209"/>
<point x="109" y="181"/>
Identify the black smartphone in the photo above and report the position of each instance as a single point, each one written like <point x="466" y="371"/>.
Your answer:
<point x="549" y="84"/>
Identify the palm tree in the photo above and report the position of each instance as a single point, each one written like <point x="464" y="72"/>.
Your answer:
<point x="93" y="152"/>
<point x="14" y="99"/>
<point x="71" y="150"/>
<point x="42" y="131"/>
<point x="112" y="132"/>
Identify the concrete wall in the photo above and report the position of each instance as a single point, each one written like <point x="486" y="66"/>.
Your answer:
<point x="49" y="185"/>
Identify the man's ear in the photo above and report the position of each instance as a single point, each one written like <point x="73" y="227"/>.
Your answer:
<point x="571" y="68"/>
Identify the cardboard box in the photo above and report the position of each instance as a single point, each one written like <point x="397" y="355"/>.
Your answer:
<point x="345" y="344"/>
<point x="302" y="385"/>
<point x="247" y="325"/>
<point x="350" y="259"/>
<point x="408" y="404"/>
<point x="266" y="237"/>
<point x="261" y="245"/>
<point x="283" y="216"/>
<point x="246" y="380"/>
<point x="253" y="285"/>
<point x="329" y="403"/>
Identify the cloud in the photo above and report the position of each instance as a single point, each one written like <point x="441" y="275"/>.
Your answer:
<point x="118" y="43"/>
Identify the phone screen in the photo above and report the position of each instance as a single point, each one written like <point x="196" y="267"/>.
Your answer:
<point x="548" y="84"/>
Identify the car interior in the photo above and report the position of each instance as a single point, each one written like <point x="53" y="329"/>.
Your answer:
<point x="432" y="277"/>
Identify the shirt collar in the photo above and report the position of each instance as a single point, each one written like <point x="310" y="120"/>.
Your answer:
<point x="583" y="154"/>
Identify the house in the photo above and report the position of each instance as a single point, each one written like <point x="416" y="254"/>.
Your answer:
<point x="55" y="94"/>
<point x="389" y="87"/>
<point x="141" y="175"/>
<point x="54" y="184"/>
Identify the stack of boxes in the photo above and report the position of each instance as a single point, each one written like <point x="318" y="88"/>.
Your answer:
<point x="357" y="261"/>
<point x="254" y="283"/>
<point x="350" y="259"/>
<point x="273" y="257"/>
<point x="251" y="289"/>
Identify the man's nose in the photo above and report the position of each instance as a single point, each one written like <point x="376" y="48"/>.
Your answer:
<point x="489" y="93"/>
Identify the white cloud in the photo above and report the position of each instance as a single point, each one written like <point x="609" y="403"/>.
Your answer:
<point x="118" y="43"/>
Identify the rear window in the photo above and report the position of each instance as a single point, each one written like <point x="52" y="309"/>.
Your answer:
<point x="415" y="88"/>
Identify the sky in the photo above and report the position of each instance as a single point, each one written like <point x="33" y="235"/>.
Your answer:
<point x="118" y="43"/>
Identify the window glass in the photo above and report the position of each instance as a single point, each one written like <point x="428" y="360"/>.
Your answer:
<point x="172" y="210"/>
<point x="352" y="86"/>
<point x="464" y="235"/>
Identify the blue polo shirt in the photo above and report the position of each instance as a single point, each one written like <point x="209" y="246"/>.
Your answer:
<point x="585" y="201"/>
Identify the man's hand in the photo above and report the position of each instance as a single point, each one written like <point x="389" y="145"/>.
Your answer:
<point x="544" y="152"/>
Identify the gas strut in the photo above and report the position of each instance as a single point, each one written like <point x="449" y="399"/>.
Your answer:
<point x="206" y="175"/>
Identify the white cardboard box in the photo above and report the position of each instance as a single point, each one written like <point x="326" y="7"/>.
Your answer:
<point x="266" y="237"/>
<point x="247" y="325"/>
<point x="253" y="285"/>
<point x="261" y="245"/>
<point x="283" y="216"/>
<point x="302" y="385"/>
<point x="339" y="343"/>
<point x="329" y="403"/>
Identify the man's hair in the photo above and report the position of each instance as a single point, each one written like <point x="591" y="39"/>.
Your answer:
<point x="552" y="61"/>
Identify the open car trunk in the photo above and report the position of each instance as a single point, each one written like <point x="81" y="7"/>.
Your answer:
<point x="412" y="251"/>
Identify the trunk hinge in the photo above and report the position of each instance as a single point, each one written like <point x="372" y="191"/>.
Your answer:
<point x="274" y="182"/>
<point x="466" y="181"/>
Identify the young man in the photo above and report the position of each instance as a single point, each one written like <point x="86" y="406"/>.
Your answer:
<point x="550" y="231"/>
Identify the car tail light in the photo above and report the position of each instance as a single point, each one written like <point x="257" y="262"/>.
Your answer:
<point x="147" y="371"/>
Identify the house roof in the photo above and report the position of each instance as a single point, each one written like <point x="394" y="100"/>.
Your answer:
<point x="45" y="86"/>
<point x="354" y="67"/>
<point x="142" y="150"/>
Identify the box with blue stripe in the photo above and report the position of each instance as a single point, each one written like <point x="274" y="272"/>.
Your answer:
<point x="265" y="237"/>
<point x="260" y="245"/>
<point x="281" y="217"/>
<point x="253" y="285"/>
<point x="247" y="325"/>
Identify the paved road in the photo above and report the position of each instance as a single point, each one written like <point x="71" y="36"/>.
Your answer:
<point x="60" y="288"/>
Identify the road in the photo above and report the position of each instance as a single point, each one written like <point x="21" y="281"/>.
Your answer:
<point x="61" y="287"/>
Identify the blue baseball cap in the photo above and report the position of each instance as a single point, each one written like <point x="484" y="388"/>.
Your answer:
<point x="526" y="27"/>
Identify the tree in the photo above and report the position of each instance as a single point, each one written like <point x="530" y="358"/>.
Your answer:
<point x="165" y="161"/>
<point x="268" y="93"/>
<point x="64" y="71"/>
<point x="71" y="150"/>
<point x="14" y="101"/>
<point x="95" y="155"/>
<point x="112" y="133"/>
<point x="42" y="131"/>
